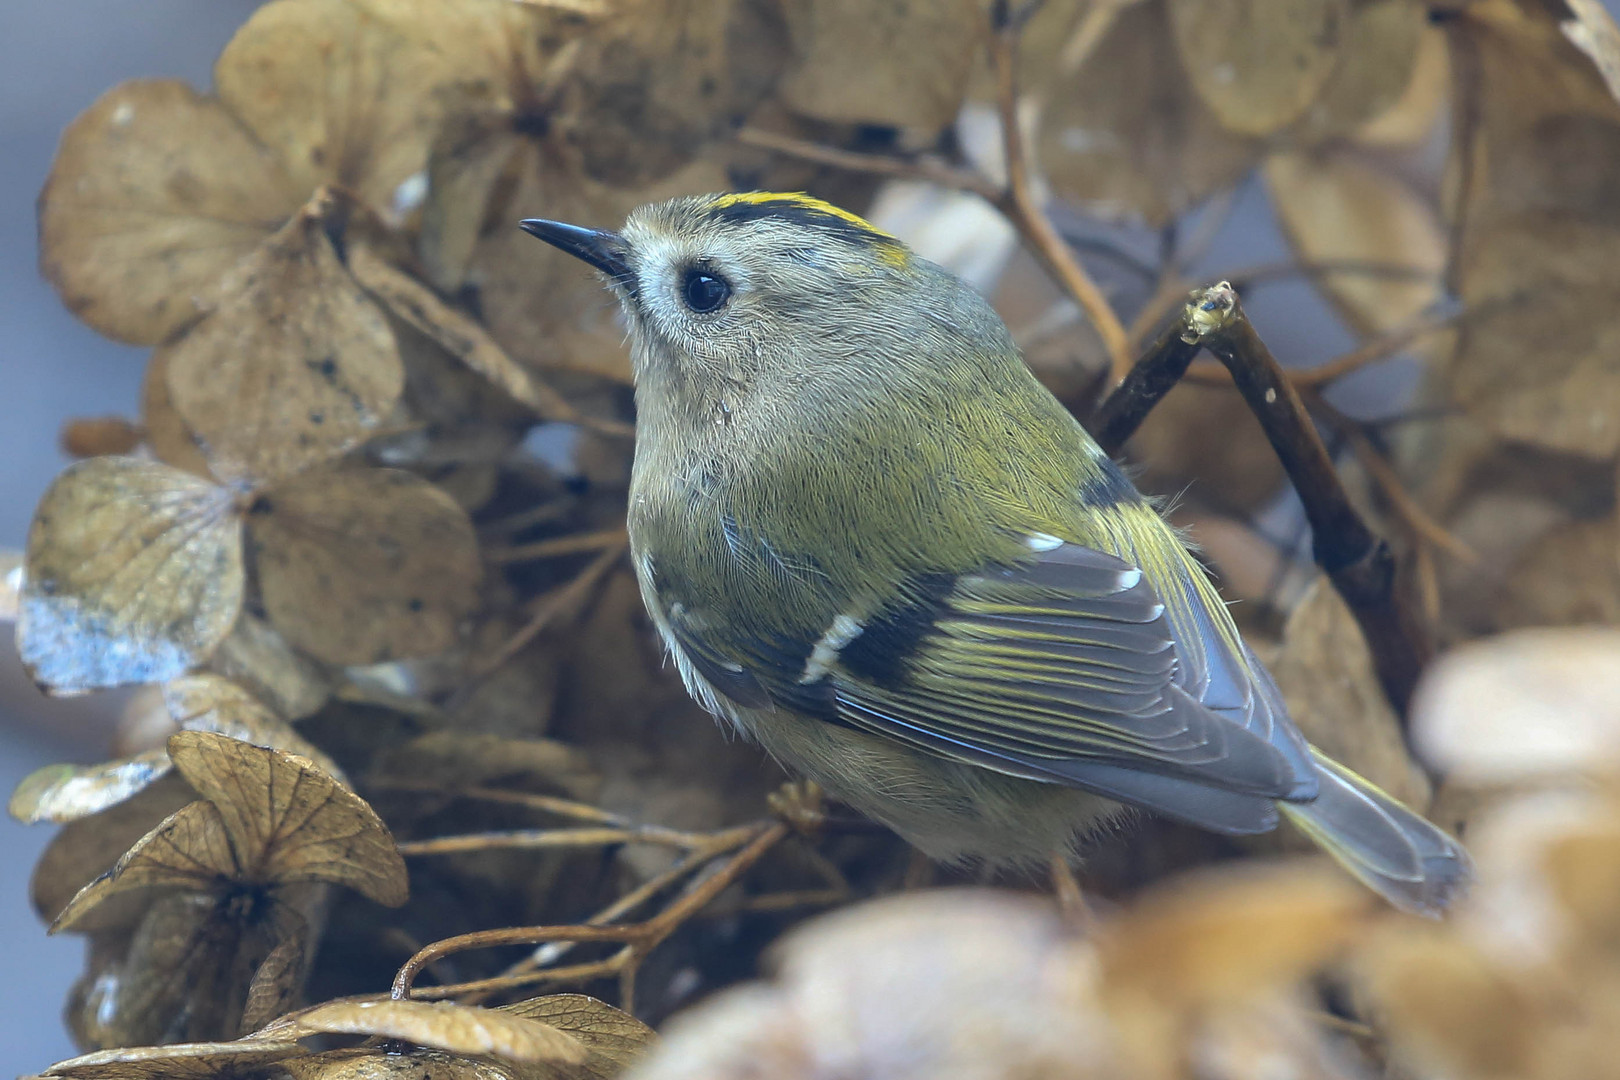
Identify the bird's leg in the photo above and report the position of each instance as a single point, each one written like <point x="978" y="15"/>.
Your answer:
<point x="1071" y="901"/>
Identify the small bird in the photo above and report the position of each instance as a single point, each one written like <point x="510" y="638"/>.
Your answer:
<point x="874" y="543"/>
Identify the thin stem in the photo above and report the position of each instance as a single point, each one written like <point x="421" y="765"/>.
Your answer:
<point x="639" y="938"/>
<point x="1358" y="561"/>
<point x="552" y="606"/>
<point x="557" y="546"/>
<point x="1019" y="204"/>
<point x="1371" y="352"/>
<point x="1154" y="375"/>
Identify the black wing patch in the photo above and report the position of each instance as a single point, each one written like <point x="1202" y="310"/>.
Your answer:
<point x="1064" y="669"/>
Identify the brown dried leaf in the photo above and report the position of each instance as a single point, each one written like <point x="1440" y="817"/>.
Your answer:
<point x="338" y="93"/>
<point x="1210" y="937"/>
<point x="371" y="1063"/>
<point x="1413" y="117"/>
<point x="456" y="759"/>
<point x="134" y="574"/>
<point x="457" y="334"/>
<point x="1448" y="1008"/>
<point x="1377" y="62"/>
<point x="1567" y="577"/>
<point x="613" y="1040"/>
<point x="1537" y="362"/>
<point x="258" y="658"/>
<point x="156" y="192"/>
<point x="64" y="793"/>
<point x="207" y="702"/>
<point x="294" y="367"/>
<point x="1203" y="441"/>
<point x="897" y="63"/>
<point x="1526" y="704"/>
<point x="462" y="1029"/>
<point x="1336" y="206"/>
<point x="97" y="436"/>
<point x="1258" y="64"/>
<point x="188" y="850"/>
<point x="360" y="566"/>
<point x="166" y="434"/>
<point x="1327" y="678"/>
<point x="656" y="80"/>
<point x="289" y="821"/>
<point x="1128" y="146"/>
<point x="180" y="1061"/>
<point x="954" y="984"/>
<point x="185" y="975"/>
<point x="1535" y="162"/>
<point x="88" y="848"/>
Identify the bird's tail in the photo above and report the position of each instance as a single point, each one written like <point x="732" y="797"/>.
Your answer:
<point x="1394" y="851"/>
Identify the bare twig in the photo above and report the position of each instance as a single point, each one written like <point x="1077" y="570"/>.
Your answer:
<point x="1153" y="376"/>
<point x="573" y="544"/>
<point x="1356" y="559"/>
<point x="1019" y="204"/>
<point x="552" y="606"/>
<point x="1380" y="348"/>
<point x="638" y="939"/>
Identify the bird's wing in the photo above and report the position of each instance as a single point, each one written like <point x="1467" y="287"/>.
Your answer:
<point x="1063" y="668"/>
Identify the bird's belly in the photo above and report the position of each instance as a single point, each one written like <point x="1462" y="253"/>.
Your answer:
<point x="952" y="812"/>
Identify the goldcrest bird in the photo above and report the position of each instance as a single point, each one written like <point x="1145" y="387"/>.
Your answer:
<point x="874" y="543"/>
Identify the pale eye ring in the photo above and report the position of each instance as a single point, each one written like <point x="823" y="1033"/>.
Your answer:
<point x="705" y="291"/>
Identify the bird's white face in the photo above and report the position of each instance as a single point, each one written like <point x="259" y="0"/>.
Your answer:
<point x="715" y="282"/>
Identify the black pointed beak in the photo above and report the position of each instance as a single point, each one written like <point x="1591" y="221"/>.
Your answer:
<point x="607" y="251"/>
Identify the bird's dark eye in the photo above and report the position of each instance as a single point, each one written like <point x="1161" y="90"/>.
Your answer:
<point x="705" y="292"/>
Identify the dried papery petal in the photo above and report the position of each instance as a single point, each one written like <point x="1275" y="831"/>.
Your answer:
<point x="369" y="1063"/>
<point x="656" y="80"/>
<point x="86" y="849"/>
<point x="1527" y="704"/>
<point x="1535" y="162"/>
<point x="359" y="566"/>
<point x="207" y="702"/>
<point x="63" y="793"/>
<point x="1129" y="147"/>
<point x="134" y="574"/>
<point x="188" y="850"/>
<point x="156" y="193"/>
<point x="98" y="436"/>
<point x="180" y="1061"/>
<point x="461" y="1029"/>
<point x="1377" y="62"/>
<point x="613" y="1040"/>
<point x="899" y="63"/>
<point x="1258" y="64"/>
<point x="457" y="759"/>
<point x="1337" y="207"/>
<point x="294" y="367"/>
<point x="258" y="658"/>
<point x="287" y="820"/>
<point x="339" y="93"/>
<point x="166" y="435"/>
<point x="1210" y="937"/>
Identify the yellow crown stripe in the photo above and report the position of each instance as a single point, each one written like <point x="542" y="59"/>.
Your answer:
<point x="795" y="198"/>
